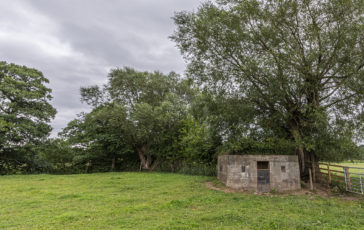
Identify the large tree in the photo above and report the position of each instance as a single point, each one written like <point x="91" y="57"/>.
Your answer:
<point x="299" y="64"/>
<point x="154" y="105"/>
<point x="24" y="114"/>
<point x="100" y="138"/>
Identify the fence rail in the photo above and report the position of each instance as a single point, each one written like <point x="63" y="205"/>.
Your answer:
<point x="351" y="177"/>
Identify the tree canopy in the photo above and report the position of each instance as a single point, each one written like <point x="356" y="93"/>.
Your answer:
<point x="145" y="114"/>
<point x="299" y="64"/>
<point x="266" y="77"/>
<point x="25" y="114"/>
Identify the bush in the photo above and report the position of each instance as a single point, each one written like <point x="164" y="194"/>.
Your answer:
<point x="198" y="169"/>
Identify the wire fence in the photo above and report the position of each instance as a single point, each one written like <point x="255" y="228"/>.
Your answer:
<point x="351" y="177"/>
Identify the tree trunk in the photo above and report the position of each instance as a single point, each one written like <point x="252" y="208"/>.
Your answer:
<point x="112" y="164"/>
<point x="304" y="156"/>
<point x="143" y="161"/>
<point x="88" y="165"/>
<point x="155" y="165"/>
<point x="149" y="160"/>
<point x="146" y="161"/>
<point x="301" y="158"/>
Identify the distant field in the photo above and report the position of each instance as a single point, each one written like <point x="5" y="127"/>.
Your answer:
<point x="354" y="164"/>
<point x="160" y="201"/>
<point x="357" y="167"/>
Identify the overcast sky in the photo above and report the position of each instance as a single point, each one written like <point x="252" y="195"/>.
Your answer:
<point x="76" y="42"/>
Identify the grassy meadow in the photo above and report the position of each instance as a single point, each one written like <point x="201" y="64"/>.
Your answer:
<point x="160" y="201"/>
<point x="353" y="164"/>
<point x="356" y="165"/>
<point x="355" y="168"/>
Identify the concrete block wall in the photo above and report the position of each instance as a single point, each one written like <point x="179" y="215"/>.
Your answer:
<point x="230" y="171"/>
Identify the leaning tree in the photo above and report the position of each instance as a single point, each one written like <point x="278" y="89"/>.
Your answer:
<point x="300" y="64"/>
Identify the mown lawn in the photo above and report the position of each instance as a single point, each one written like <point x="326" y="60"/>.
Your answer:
<point x="160" y="201"/>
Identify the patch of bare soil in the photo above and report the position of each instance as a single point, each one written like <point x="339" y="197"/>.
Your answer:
<point x="319" y="190"/>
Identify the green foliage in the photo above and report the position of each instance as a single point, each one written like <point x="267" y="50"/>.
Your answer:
<point x="202" y="169"/>
<point x="153" y="124"/>
<point x="294" y="68"/>
<point x="100" y="140"/>
<point x="160" y="201"/>
<point x="107" y="130"/>
<point x="25" y="114"/>
<point x="195" y="141"/>
<point x="263" y="77"/>
<point x="361" y="153"/>
<point x="154" y="102"/>
<point x="191" y="150"/>
<point x="277" y="146"/>
<point x="58" y="155"/>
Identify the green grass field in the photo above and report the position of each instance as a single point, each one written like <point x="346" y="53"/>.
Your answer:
<point x="357" y="167"/>
<point x="160" y="201"/>
<point x="355" y="164"/>
<point x="354" y="170"/>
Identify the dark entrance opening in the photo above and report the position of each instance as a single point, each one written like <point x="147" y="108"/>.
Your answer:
<point x="263" y="179"/>
<point x="263" y="164"/>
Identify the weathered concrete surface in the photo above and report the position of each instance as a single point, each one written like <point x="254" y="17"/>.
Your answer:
<point x="230" y="172"/>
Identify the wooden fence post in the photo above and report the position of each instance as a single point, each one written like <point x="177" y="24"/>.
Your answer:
<point x="347" y="176"/>
<point x="313" y="172"/>
<point x="310" y="174"/>
<point x="329" y="172"/>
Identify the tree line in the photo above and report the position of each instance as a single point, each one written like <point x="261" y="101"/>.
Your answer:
<point x="262" y="77"/>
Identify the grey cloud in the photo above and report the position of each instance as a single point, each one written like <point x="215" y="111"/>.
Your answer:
<point x="75" y="43"/>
